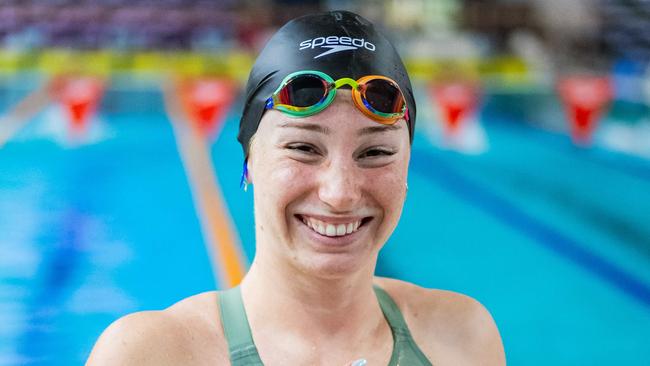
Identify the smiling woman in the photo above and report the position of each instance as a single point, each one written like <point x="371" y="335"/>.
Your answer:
<point x="317" y="176"/>
<point x="327" y="144"/>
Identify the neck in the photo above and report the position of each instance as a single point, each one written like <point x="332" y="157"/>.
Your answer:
<point x="311" y="306"/>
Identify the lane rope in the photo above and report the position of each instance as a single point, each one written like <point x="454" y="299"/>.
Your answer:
<point x="221" y="239"/>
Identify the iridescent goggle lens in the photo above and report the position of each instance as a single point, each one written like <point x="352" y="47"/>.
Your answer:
<point x="305" y="93"/>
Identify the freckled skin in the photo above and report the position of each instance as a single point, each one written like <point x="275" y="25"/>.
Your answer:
<point x="335" y="179"/>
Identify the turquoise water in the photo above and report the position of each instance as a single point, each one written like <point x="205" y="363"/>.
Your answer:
<point x="552" y="239"/>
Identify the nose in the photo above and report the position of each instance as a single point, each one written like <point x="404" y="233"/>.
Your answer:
<point x="340" y="185"/>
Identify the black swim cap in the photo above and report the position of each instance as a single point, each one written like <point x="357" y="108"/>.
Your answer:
<point x="338" y="43"/>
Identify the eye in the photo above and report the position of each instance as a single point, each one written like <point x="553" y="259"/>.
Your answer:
<point x="303" y="148"/>
<point x="376" y="152"/>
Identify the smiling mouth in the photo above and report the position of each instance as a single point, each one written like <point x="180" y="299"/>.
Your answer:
<point x="330" y="229"/>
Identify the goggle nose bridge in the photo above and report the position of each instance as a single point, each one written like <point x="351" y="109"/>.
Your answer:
<point x="346" y="81"/>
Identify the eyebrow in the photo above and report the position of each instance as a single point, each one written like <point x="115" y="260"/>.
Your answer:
<point x="378" y="129"/>
<point x="307" y="126"/>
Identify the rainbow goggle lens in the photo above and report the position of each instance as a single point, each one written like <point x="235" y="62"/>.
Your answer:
<point x="305" y="93"/>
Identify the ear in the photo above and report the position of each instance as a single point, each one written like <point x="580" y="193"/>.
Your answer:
<point x="249" y="162"/>
<point x="249" y="176"/>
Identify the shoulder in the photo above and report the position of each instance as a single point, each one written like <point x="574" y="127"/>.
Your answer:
<point x="187" y="332"/>
<point x="449" y="327"/>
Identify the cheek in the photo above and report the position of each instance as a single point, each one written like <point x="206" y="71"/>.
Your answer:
<point x="280" y="183"/>
<point x="391" y="193"/>
<point x="388" y="187"/>
<point x="288" y="179"/>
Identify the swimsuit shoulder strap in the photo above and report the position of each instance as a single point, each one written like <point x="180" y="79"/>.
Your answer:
<point x="405" y="350"/>
<point x="234" y="321"/>
<point x="243" y="352"/>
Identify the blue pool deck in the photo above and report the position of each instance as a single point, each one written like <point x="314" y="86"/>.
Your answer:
<point x="553" y="239"/>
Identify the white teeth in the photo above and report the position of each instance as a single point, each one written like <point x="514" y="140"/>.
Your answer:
<point x="326" y="229"/>
<point x="331" y="230"/>
<point x="340" y="229"/>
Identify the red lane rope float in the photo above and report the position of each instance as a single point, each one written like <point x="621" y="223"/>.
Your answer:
<point x="79" y="96"/>
<point x="206" y="101"/>
<point x="455" y="100"/>
<point x="585" y="99"/>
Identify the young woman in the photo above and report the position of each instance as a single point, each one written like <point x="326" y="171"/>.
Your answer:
<point x="326" y="132"/>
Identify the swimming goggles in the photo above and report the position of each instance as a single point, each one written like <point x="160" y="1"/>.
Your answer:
<point x="305" y="93"/>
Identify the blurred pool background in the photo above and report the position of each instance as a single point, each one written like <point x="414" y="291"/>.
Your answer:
<point x="552" y="236"/>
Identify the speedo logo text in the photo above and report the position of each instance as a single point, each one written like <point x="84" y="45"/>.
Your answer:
<point x="335" y="44"/>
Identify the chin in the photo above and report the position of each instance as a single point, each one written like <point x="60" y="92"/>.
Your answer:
<point x="332" y="266"/>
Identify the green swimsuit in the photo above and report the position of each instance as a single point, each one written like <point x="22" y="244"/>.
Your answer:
<point x="244" y="353"/>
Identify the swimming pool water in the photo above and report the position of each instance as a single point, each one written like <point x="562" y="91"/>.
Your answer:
<point x="552" y="239"/>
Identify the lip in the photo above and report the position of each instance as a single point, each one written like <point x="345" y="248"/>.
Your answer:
<point x="336" y="219"/>
<point x="332" y="242"/>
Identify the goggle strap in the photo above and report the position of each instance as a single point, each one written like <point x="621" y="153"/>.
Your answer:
<point x="269" y="103"/>
<point x="243" y="182"/>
